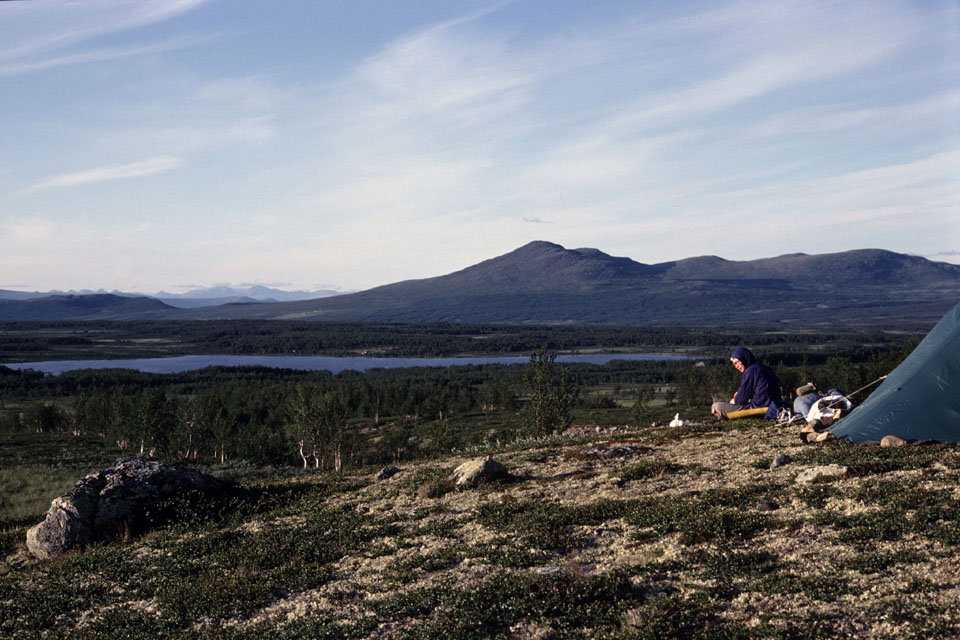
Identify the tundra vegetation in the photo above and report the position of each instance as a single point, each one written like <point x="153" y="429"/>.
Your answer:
<point x="678" y="533"/>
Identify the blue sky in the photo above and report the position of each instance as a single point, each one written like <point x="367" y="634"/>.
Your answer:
<point x="161" y="144"/>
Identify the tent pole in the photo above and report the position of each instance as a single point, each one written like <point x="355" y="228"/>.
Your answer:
<point x="849" y="395"/>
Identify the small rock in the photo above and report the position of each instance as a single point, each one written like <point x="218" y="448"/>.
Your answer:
<point x="766" y="504"/>
<point x="779" y="461"/>
<point x="826" y="471"/>
<point x="809" y="426"/>
<point x="823" y="437"/>
<point x="892" y="441"/>
<point x="479" y="470"/>
<point x="387" y="472"/>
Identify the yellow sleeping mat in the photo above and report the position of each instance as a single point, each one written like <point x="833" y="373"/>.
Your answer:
<point x="747" y="413"/>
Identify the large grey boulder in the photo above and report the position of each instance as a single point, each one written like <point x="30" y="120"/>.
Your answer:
<point x="113" y="503"/>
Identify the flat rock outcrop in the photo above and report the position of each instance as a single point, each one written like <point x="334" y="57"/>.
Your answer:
<point x="827" y="471"/>
<point x="113" y="503"/>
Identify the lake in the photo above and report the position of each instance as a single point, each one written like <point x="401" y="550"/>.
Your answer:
<point x="312" y="363"/>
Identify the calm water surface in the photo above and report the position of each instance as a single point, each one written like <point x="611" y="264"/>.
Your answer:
<point x="309" y="363"/>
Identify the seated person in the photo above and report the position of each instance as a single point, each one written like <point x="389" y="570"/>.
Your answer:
<point x="759" y="387"/>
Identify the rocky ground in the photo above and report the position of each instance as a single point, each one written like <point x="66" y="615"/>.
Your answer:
<point x="653" y="533"/>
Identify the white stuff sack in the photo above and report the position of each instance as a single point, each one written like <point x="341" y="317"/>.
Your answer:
<point x="828" y="406"/>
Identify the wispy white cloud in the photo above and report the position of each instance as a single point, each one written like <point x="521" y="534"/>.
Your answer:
<point x="460" y="118"/>
<point x="42" y="30"/>
<point x="140" y="169"/>
<point x="242" y="93"/>
<point x="770" y="49"/>
<point x="439" y="81"/>
<point x="214" y="131"/>
<point x="936" y="109"/>
<point x="93" y="55"/>
<point x="903" y="186"/>
<point x="184" y="115"/>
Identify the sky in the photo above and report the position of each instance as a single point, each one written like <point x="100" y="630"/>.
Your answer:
<point x="150" y="145"/>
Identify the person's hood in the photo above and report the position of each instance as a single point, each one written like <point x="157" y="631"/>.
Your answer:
<point x="745" y="356"/>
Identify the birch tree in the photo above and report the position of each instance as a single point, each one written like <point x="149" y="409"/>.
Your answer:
<point x="551" y="395"/>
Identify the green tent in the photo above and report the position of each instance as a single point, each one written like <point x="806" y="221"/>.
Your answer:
<point x="920" y="399"/>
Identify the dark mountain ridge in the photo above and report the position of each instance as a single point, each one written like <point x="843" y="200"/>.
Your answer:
<point x="99" y="306"/>
<point x="544" y="283"/>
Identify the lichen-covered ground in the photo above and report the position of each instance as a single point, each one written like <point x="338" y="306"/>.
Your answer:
<point x="687" y="533"/>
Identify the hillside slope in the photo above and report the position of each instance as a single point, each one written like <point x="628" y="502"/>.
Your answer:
<point x="652" y="533"/>
<point x="84" y="307"/>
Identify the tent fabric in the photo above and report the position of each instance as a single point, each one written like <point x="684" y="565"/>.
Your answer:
<point x="920" y="399"/>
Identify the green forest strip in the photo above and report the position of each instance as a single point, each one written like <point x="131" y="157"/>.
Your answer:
<point x="30" y="342"/>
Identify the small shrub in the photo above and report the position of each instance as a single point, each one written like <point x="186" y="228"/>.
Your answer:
<point x="817" y="494"/>
<point x="872" y="526"/>
<point x="407" y="570"/>
<point x="876" y="562"/>
<point x="648" y="469"/>
<point x="567" y="603"/>
<point x="546" y="525"/>
<point x="728" y="565"/>
<point x="412" y="484"/>
<point x="506" y="553"/>
<point x="877" y="459"/>
<point x="434" y="489"/>
<point x="696" y="520"/>
<point x="823" y="588"/>
<point x="672" y="617"/>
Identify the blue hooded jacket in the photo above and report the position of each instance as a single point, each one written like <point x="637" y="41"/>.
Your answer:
<point x="759" y="386"/>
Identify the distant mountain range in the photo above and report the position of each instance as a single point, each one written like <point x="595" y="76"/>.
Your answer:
<point x="545" y="283"/>
<point x="199" y="297"/>
<point x="225" y="295"/>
